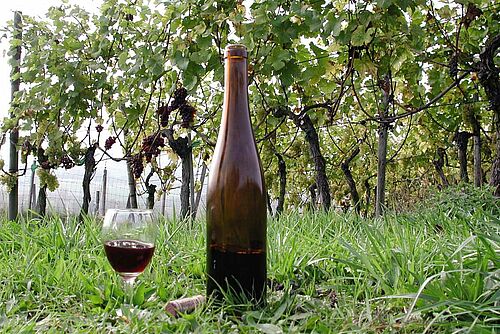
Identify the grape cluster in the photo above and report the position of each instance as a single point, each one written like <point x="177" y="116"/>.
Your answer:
<point x="187" y="113"/>
<point x="137" y="165"/>
<point x="67" y="162"/>
<point x="27" y="147"/>
<point x="164" y="112"/>
<point x="46" y="165"/>
<point x="99" y="128"/>
<point x="180" y="95"/>
<point x="186" y="110"/>
<point x="151" y="146"/>
<point x="109" y="143"/>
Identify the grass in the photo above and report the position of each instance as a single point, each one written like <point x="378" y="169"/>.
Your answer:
<point x="436" y="270"/>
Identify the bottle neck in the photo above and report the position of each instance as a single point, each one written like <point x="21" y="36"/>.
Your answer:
<point x="236" y="108"/>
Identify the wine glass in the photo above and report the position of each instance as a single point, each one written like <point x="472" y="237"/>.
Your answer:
<point x="129" y="237"/>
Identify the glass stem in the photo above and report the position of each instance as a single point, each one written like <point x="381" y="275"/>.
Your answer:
<point x="128" y="287"/>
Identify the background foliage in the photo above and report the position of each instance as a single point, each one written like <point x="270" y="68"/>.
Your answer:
<point x="326" y="80"/>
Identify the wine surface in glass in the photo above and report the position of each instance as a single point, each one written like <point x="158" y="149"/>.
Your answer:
<point x="128" y="256"/>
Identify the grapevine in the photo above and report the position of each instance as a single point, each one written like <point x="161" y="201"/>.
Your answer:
<point x="46" y="165"/>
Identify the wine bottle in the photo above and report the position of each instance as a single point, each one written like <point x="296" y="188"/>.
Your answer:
<point x="236" y="196"/>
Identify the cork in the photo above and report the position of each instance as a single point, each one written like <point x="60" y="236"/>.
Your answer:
<point x="184" y="305"/>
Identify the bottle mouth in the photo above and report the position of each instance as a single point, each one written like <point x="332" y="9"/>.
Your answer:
<point x="235" y="51"/>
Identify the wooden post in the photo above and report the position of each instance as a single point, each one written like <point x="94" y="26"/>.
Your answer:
<point x="383" y="134"/>
<point x="164" y="199"/>
<point x="198" y="195"/>
<point x="191" y="179"/>
<point x="104" y="188"/>
<point x="97" y="198"/>
<point x="33" y="199"/>
<point x="14" y="133"/>
<point x="132" y="193"/>
<point x="32" y="186"/>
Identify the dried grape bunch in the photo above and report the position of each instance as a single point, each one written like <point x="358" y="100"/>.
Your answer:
<point x="164" y="113"/>
<point x="187" y="113"/>
<point x="99" y="128"/>
<point x="66" y="162"/>
<point x="46" y="165"/>
<point x="109" y="143"/>
<point x="179" y="102"/>
<point x="180" y="95"/>
<point x="151" y="146"/>
<point x="27" y="147"/>
<point x="137" y="165"/>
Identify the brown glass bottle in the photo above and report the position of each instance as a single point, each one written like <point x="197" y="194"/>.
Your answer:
<point x="236" y="197"/>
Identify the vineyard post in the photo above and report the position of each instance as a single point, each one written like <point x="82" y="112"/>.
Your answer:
<point x="14" y="134"/>
<point x="478" y="173"/>
<point x="191" y="179"/>
<point x="33" y="198"/>
<point x="132" y="192"/>
<point x="202" y="182"/>
<point x="282" y="174"/>
<point x="163" y="200"/>
<point x="97" y="201"/>
<point x="104" y="189"/>
<point x="32" y="185"/>
<point x="381" y="168"/>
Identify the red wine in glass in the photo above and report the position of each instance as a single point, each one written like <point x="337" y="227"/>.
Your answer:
<point x="128" y="257"/>
<point x="129" y="237"/>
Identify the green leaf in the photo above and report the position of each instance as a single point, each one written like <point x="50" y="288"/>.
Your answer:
<point x="122" y="60"/>
<point x="384" y="4"/>
<point x="180" y="61"/>
<point x="190" y="82"/>
<point x="277" y="58"/>
<point x="333" y="26"/>
<point x="120" y="119"/>
<point x="138" y="298"/>
<point x="403" y="56"/>
<point x="269" y="328"/>
<point x="95" y="299"/>
<point x="362" y="36"/>
<point x="200" y="28"/>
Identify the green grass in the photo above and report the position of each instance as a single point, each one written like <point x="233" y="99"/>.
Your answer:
<point x="436" y="270"/>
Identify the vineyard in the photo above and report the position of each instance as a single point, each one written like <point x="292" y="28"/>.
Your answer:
<point x="361" y="111"/>
<point x="356" y="105"/>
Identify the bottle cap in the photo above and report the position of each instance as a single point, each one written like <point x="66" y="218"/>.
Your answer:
<point x="235" y="51"/>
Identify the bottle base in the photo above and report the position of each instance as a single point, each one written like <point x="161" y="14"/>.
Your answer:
<point x="236" y="277"/>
